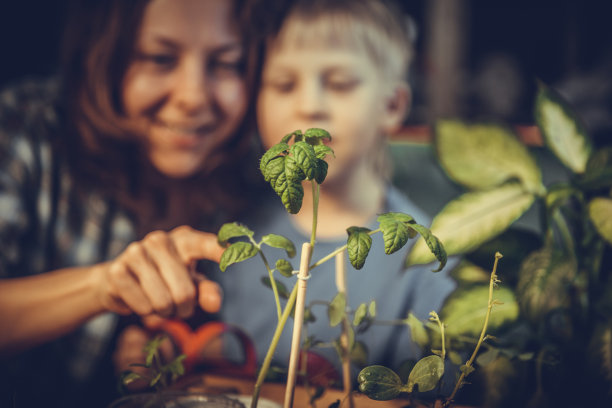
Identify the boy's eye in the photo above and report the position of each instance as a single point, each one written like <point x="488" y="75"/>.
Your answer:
<point x="342" y="85"/>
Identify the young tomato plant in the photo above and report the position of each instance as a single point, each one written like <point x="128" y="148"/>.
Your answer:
<point x="297" y="158"/>
<point x="156" y="373"/>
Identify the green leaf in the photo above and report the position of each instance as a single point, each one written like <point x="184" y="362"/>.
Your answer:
<point x="600" y="212"/>
<point x="321" y="151"/>
<point x="291" y="194"/>
<point x="395" y="230"/>
<point x="320" y="171"/>
<point x="360" y="314"/>
<point x="315" y="136"/>
<point x="417" y="330"/>
<point x="464" y="311"/>
<point x="278" y="150"/>
<point x="305" y="158"/>
<point x="379" y="383"/>
<point x="284" y="267"/>
<point x="426" y="374"/>
<point x="232" y="230"/>
<point x="482" y="156"/>
<point x="237" y="252"/>
<point x="372" y="309"/>
<point x="467" y="273"/>
<point x="280" y="286"/>
<point x="297" y="135"/>
<point x="563" y="133"/>
<point x="472" y="219"/>
<point x="434" y="245"/>
<point x="599" y="170"/>
<point x="129" y="377"/>
<point x="359" y="354"/>
<point x="544" y="280"/>
<point x="278" y="241"/>
<point x="293" y="170"/>
<point x="336" y="310"/>
<point x="358" y="244"/>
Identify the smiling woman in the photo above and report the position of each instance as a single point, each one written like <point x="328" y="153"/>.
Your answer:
<point x="109" y="175"/>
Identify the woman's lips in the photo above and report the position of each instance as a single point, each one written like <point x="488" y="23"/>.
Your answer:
<point x="184" y="136"/>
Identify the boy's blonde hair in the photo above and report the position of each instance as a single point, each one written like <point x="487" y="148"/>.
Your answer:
<point x="376" y="26"/>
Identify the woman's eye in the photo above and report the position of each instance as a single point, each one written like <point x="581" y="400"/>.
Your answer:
<point x="159" y="60"/>
<point x="227" y="67"/>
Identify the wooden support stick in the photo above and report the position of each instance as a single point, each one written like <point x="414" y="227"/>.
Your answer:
<point x="346" y="361"/>
<point x="298" y="322"/>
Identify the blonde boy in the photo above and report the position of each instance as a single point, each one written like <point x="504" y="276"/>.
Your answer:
<point x="340" y="65"/>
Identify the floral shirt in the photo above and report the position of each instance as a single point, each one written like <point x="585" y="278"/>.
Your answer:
<point x="44" y="226"/>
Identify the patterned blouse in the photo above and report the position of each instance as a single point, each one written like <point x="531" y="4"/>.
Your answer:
<point x="44" y="226"/>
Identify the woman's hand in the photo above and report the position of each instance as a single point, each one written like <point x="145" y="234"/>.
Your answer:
<point x="156" y="276"/>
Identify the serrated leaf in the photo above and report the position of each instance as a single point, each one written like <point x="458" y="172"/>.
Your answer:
<point x="284" y="267"/>
<point x="297" y="135"/>
<point x="279" y="241"/>
<point x="360" y="314"/>
<point x="291" y="193"/>
<point x="237" y="252"/>
<point x="315" y="136"/>
<point x="482" y="156"/>
<point x="336" y="311"/>
<point x="293" y="170"/>
<point x="321" y="151"/>
<point x="395" y="231"/>
<point x="543" y="284"/>
<point x="434" y="245"/>
<point x="379" y="383"/>
<point x="417" y="330"/>
<point x="563" y="133"/>
<point x="600" y="212"/>
<point x="280" y="149"/>
<point x="280" y="286"/>
<point x="358" y="244"/>
<point x="305" y="158"/>
<point x="232" y="230"/>
<point x="472" y="219"/>
<point x="464" y="311"/>
<point x="426" y="374"/>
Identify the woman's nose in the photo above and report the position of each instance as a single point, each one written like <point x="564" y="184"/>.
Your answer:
<point x="192" y="90"/>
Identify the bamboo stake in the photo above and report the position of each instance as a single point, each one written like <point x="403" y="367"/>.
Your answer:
<point x="298" y="322"/>
<point x="346" y="361"/>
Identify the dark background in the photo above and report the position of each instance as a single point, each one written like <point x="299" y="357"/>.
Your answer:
<point x="567" y="44"/>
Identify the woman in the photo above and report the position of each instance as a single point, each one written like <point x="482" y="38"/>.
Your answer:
<point x="102" y="178"/>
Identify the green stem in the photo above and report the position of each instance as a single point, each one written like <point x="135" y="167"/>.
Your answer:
<point x="263" y="371"/>
<point x="315" y="211"/>
<point x="272" y="284"/>
<point x="492" y="282"/>
<point x="566" y="235"/>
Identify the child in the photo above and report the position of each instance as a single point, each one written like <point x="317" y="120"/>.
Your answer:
<point x="339" y="65"/>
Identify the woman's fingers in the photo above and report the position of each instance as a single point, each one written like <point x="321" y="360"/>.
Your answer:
<point x="193" y="245"/>
<point x="155" y="275"/>
<point x="210" y="294"/>
<point x="174" y="272"/>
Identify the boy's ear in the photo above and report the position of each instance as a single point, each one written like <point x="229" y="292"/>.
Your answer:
<point x="397" y="106"/>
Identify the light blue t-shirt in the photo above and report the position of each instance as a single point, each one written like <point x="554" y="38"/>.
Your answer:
<point x="250" y="305"/>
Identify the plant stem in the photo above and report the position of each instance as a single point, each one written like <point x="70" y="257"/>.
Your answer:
<point x="492" y="282"/>
<point x="344" y="342"/>
<point x="273" y="285"/>
<point x="263" y="371"/>
<point x="315" y="211"/>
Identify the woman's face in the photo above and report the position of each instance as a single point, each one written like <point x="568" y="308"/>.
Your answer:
<point x="184" y="88"/>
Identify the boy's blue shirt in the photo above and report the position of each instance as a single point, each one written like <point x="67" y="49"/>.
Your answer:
<point x="250" y="305"/>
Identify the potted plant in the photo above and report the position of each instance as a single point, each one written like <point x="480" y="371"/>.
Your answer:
<point x="559" y="351"/>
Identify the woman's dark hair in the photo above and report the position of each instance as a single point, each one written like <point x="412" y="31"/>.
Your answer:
<point x="99" y="40"/>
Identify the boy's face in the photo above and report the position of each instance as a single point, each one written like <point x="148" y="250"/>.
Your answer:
<point x="336" y="88"/>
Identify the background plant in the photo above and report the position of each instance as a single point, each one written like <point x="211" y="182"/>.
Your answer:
<point x="562" y="276"/>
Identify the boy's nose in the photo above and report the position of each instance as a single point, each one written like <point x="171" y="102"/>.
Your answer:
<point x="192" y="87"/>
<point x="311" y="101"/>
